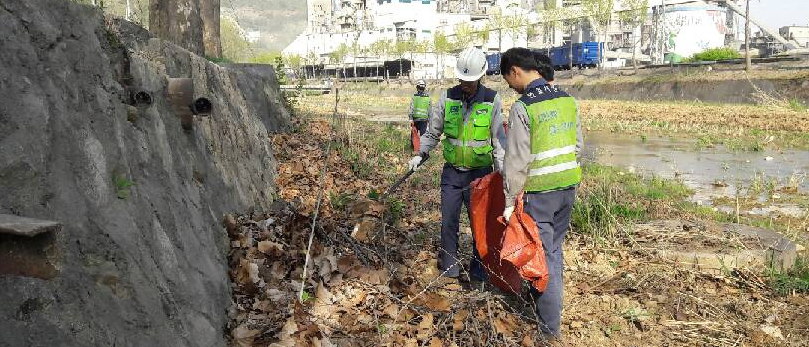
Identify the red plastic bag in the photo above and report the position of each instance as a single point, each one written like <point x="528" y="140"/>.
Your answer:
<point x="487" y="203"/>
<point x="522" y="247"/>
<point x="414" y="137"/>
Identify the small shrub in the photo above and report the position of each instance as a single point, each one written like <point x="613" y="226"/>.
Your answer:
<point x="794" y="281"/>
<point x="715" y="54"/>
<point x="122" y="185"/>
<point x="339" y="201"/>
<point x="796" y="105"/>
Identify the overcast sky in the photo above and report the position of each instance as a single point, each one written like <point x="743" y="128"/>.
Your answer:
<point x="778" y="13"/>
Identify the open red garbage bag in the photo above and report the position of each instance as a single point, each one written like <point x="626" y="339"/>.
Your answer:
<point x="414" y="137"/>
<point x="487" y="203"/>
<point x="522" y="247"/>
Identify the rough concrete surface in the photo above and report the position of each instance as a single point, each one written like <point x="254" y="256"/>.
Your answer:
<point x="140" y="200"/>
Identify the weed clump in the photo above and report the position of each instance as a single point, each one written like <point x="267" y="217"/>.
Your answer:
<point x="715" y="54"/>
<point x="794" y="281"/>
<point x="609" y="198"/>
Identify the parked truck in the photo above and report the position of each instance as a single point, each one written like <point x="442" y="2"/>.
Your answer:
<point x="585" y="55"/>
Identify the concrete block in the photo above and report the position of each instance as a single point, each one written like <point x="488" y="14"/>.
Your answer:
<point x="28" y="247"/>
<point x="752" y="247"/>
<point x="21" y="226"/>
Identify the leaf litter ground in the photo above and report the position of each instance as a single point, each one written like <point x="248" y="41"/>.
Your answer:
<point x="382" y="289"/>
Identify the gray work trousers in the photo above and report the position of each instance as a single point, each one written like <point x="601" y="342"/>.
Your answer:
<point x="551" y="211"/>
<point x="454" y="192"/>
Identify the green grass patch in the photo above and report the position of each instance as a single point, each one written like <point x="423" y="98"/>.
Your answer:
<point x="796" y="105"/>
<point x="609" y="197"/>
<point x="794" y="281"/>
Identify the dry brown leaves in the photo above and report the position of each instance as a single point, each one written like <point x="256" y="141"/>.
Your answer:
<point x="351" y="298"/>
<point x="347" y="303"/>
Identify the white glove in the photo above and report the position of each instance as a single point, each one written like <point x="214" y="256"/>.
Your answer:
<point x="507" y="213"/>
<point x="414" y="163"/>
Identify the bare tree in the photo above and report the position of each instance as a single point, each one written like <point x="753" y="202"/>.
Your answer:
<point x="747" y="61"/>
<point x="600" y="14"/>
<point x="634" y="14"/>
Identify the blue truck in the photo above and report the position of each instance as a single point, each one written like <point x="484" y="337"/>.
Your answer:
<point x="493" y="61"/>
<point x="585" y="55"/>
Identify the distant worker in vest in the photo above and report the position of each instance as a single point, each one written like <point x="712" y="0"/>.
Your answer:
<point x="420" y="109"/>
<point x="469" y="116"/>
<point x="541" y="161"/>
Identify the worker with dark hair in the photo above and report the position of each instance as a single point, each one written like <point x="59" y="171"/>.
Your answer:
<point x="545" y="66"/>
<point x="541" y="161"/>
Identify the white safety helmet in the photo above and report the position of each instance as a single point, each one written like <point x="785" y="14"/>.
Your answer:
<point x="421" y="84"/>
<point x="471" y="65"/>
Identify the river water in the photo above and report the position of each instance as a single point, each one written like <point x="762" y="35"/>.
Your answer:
<point x="711" y="173"/>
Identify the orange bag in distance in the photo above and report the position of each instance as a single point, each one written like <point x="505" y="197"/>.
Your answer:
<point x="522" y="247"/>
<point x="487" y="202"/>
<point x="414" y="137"/>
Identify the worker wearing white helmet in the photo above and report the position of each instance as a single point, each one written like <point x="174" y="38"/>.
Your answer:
<point x="469" y="117"/>
<point x="420" y="109"/>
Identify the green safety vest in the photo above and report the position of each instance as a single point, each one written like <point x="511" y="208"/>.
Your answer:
<point x="553" y="144"/>
<point x="421" y="107"/>
<point x="468" y="144"/>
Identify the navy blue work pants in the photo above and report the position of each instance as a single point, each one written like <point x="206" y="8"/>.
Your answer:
<point x="454" y="192"/>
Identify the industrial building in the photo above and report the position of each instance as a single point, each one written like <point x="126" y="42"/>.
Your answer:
<point x="799" y="34"/>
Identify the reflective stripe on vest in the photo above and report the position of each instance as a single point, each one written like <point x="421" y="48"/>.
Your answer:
<point x="421" y="107"/>
<point x="468" y="144"/>
<point x="553" y="131"/>
<point x="471" y="143"/>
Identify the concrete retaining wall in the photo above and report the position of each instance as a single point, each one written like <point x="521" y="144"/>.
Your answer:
<point x="729" y="91"/>
<point x="141" y="265"/>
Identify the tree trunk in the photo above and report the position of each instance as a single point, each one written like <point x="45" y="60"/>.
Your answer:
<point x="178" y="21"/>
<point x="355" y="63"/>
<point x="410" y="75"/>
<point x="747" y="60"/>
<point x="601" y="52"/>
<point x="210" y="19"/>
<point x="570" y="53"/>
<point x="662" y="31"/>
<point x="634" y="52"/>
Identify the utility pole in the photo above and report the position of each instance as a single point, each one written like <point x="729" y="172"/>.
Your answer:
<point x="747" y="63"/>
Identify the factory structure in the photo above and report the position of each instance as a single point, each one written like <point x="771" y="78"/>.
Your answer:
<point x="359" y="38"/>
